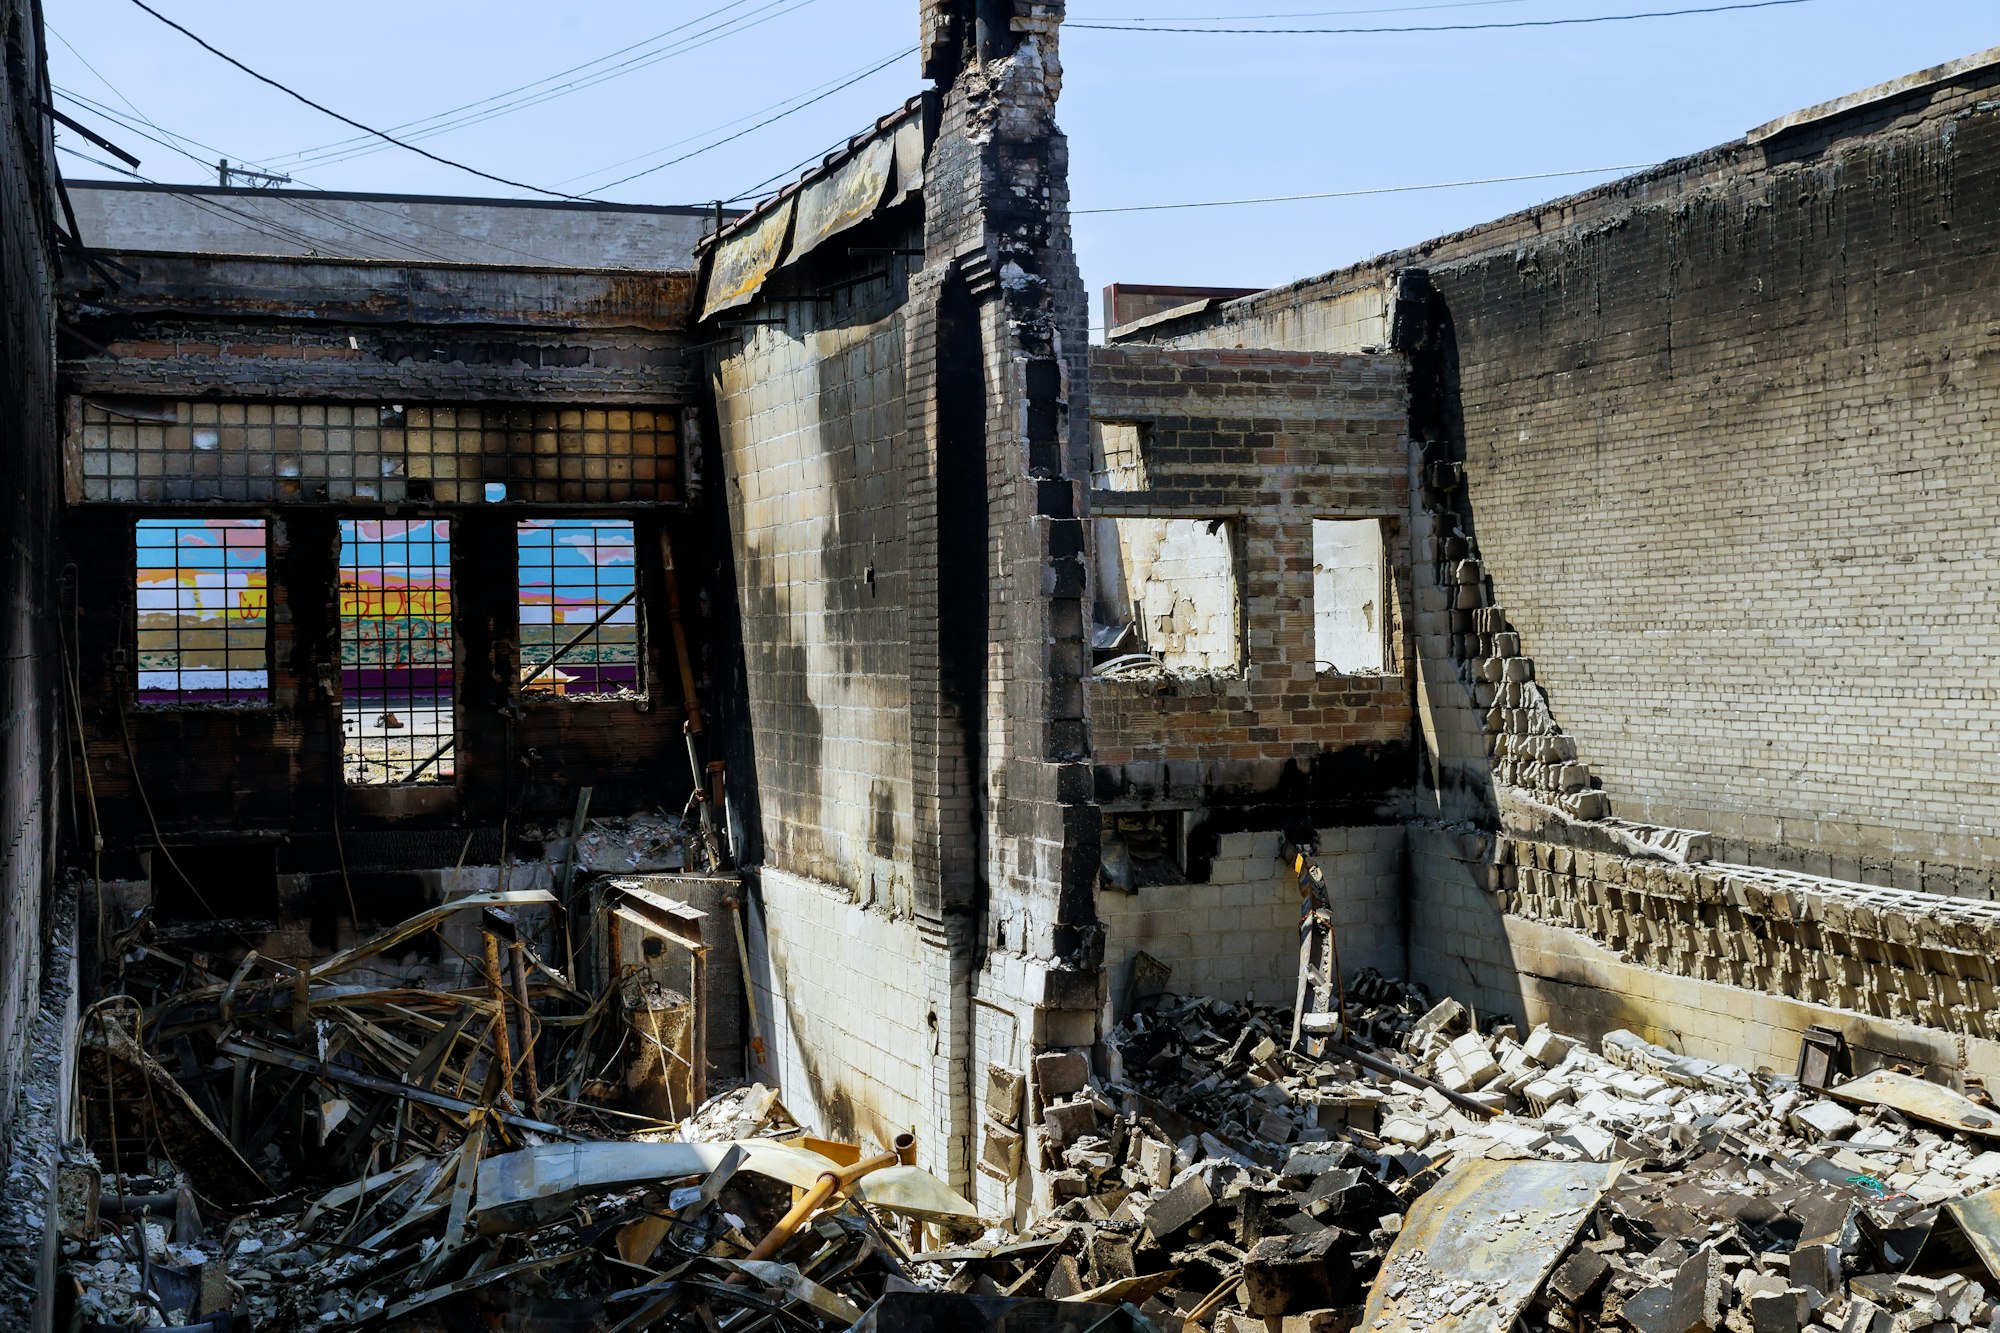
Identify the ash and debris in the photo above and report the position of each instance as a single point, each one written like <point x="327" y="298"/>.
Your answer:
<point x="249" y="1166"/>
<point x="1212" y="1172"/>
<point x="268" y="1147"/>
<point x="35" y="1128"/>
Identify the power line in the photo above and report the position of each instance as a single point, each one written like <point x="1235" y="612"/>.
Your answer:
<point x="792" y="170"/>
<point x="128" y="123"/>
<point x="1350" y="194"/>
<point x="519" y="88"/>
<point x="1450" y="27"/>
<point x="748" y="115"/>
<point x="713" y="35"/>
<point x="300" y="237"/>
<point x="349" y="120"/>
<point x="772" y="120"/>
<point x="1306" y="13"/>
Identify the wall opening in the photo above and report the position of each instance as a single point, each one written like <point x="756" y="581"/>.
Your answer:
<point x="1168" y="587"/>
<point x="202" y="604"/>
<point x="1118" y="456"/>
<point x="1348" y="587"/>
<point x="579" y="608"/>
<point x="396" y="651"/>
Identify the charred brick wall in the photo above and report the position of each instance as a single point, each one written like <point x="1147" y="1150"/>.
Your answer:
<point x="37" y="937"/>
<point x="903" y="449"/>
<point x="239" y="333"/>
<point x="1282" y="749"/>
<point x="1269" y="441"/>
<point x="812" y="423"/>
<point x="1723" y="429"/>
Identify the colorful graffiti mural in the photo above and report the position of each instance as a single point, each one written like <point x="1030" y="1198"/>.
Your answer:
<point x="396" y="650"/>
<point x="203" y="611"/>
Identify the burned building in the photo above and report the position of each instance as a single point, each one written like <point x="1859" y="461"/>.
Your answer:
<point x="442" y="623"/>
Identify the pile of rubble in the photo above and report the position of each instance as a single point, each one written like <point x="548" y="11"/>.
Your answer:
<point x="1412" y="1171"/>
<point x="266" y="1146"/>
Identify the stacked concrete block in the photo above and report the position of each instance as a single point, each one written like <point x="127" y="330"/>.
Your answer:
<point x="1895" y="954"/>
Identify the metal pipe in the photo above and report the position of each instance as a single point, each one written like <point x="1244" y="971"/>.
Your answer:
<point x="735" y="906"/>
<point x="829" y="1184"/>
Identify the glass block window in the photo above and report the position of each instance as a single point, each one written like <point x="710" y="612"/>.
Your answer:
<point x="579" y="596"/>
<point x="396" y="651"/>
<point x="148" y="451"/>
<point x="203" y="612"/>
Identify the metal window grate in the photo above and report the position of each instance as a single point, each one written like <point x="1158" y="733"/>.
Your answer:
<point x="203" y="612"/>
<point x="578" y="582"/>
<point x="396" y="651"/>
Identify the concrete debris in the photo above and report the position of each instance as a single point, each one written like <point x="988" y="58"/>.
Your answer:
<point x="1421" y="1170"/>
<point x="1286" y="1191"/>
<point x="271" y="1147"/>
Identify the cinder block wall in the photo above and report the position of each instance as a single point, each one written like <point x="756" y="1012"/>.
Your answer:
<point x="1726" y="428"/>
<point x="842" y="1005"/>
<point x="902" y="465"/>
<point x="1236" y="936"/>
<point x="811" y="427"/>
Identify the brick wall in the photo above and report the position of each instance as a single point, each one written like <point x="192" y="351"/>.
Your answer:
<point x="1269" y="441"/>
<point x="1724" y="428"/>
<point x="901" y="454"/>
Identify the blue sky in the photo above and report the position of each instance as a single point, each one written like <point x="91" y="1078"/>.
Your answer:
<point x="1152" y="117"/>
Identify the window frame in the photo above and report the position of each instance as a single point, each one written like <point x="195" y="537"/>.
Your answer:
<point x="1384" y="591"/>
<point x="137" y="693"/>
<point x="451" y="518"/>
<point x="642" y="691"/>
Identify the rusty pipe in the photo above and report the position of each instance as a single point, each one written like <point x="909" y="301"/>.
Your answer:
<point x="829" y="1184"/>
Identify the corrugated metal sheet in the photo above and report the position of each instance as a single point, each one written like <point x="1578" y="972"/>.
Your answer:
<point x="909" y="160"/>
<point x="849" y="195"/>
<point x="745" y="259"/>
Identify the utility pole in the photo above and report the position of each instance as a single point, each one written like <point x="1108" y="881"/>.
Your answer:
<point x="226" y="175"/>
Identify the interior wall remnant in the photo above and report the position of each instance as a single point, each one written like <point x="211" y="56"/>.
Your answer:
<point x="905" y="461"/>
<point x="37" y="919"/>
<point x="1118" y="456"/>
<point x="1665" y="305"/>
<point x="1173" y="582"/>
<point x="1348" y="583"/>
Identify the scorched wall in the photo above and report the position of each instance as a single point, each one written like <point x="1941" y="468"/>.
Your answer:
<point x="1727" y="430"/>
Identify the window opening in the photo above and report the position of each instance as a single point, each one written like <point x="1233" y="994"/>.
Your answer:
<point x="1347" y="595"/>
<point x="1167" y="590"/>
<point x="203" y="612"/>
<point x="396" y="651"/>
<point x="579" y="608"/>
<point x="1118" y="456"/>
